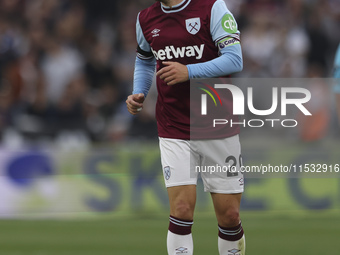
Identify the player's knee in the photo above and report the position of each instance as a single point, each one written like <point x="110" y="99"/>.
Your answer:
<point x="230" y="218"/>
<point x="183" y="210"/>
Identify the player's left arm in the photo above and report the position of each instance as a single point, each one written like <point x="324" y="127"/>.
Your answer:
<point x="229" y="62"/>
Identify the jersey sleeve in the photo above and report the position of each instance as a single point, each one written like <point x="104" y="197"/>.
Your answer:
<point x="224" y="32"/>
<point x="143" y="47"/>
<point x="223" y="26"/>
<point x="145" y="64"/>
<point x="229" y="62"/>
<point x="337" y="71"/>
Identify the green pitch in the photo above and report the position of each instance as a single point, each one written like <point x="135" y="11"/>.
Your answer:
<point x="309" y="233"/>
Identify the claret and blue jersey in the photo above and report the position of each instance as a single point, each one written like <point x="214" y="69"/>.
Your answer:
<point x="202" y="35"/>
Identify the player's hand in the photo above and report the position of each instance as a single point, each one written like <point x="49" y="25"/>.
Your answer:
<point x="134" y="103"/>
<point x="173" y="73"/>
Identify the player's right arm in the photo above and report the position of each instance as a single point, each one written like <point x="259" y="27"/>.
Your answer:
<point x="144" y="71"/>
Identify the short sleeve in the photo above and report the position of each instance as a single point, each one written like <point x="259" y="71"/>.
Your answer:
<point x="143" y="48"/>
<point x="223" y="24"/>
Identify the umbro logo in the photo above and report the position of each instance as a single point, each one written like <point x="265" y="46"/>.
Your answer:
<point x="234" y="252"/>
<point x="155" y="32"/>
<point x="181" y="250"/>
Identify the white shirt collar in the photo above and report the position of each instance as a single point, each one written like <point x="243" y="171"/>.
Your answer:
<point x="176" y="8"/>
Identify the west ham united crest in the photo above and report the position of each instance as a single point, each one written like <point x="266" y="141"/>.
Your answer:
<point x="193" y="25"/>
<point x="167" y="172"/>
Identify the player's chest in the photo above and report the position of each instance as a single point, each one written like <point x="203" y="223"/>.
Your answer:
<point x="177" y="33"/>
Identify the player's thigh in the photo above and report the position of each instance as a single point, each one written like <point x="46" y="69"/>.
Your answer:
<point x="177" y="159"/>
<point x="222" y="161"/>
<point x="227" y="208"/>
<point x="182" y="201"/>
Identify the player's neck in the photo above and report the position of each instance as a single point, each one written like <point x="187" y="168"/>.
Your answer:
<point x="171" y="3"/>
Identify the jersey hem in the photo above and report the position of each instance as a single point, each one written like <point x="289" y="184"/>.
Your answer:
<point x="199" y="138"/>
<point x="181" y="184"/>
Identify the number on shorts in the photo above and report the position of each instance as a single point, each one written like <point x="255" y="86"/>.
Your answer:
<point x="232" y="166"/>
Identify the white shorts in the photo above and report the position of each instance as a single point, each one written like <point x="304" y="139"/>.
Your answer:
<point x="216" y="161"/>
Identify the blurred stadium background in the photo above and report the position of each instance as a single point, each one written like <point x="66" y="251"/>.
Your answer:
<point x="79" y="175"/>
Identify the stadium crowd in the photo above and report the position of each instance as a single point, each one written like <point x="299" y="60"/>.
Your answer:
<point x="66" y="66"/>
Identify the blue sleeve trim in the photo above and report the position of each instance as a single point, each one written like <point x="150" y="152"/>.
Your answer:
<point x="143" y="75"/>
<point x="229" y="62"/>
